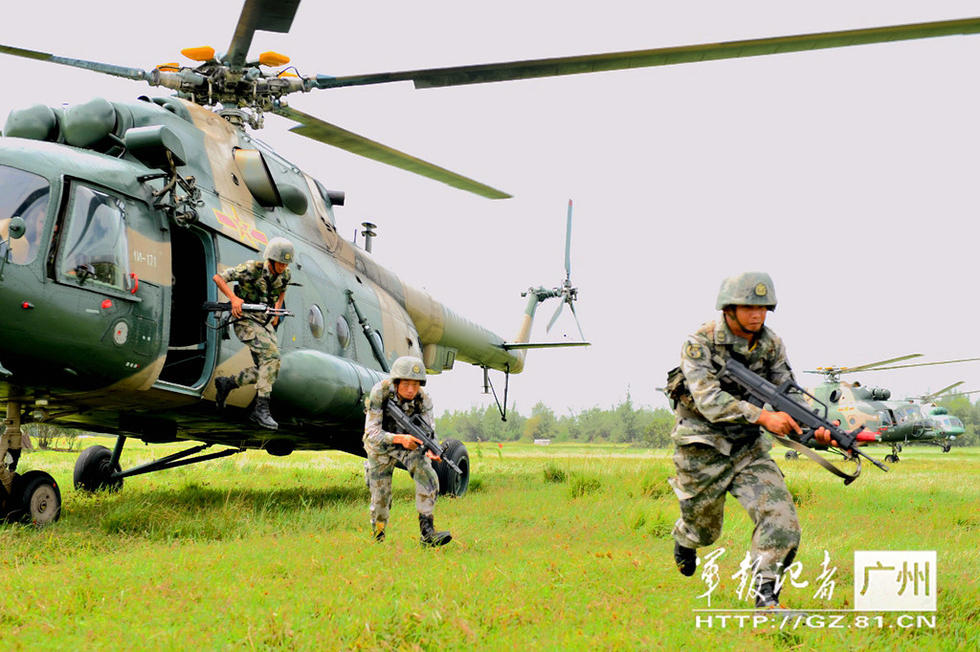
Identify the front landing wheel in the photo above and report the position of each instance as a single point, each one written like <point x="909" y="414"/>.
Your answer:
<point x="37" y="499"/>
<point x="93" y="471"/>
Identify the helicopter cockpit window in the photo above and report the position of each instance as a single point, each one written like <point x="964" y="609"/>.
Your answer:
<point x="94" y="247"/>
<point x="24" y="195"/>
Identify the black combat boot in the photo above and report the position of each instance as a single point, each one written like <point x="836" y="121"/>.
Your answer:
<point x="222" y="387"/>
<point x="431" y="537"/>
<point x="686" y="559"/>
<point x="767" y="597"/>
<point x="378" y="529"/>
<point x="260" y="414"/>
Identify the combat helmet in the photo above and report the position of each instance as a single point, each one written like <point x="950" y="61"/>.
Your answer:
<point x="747" y="289"/>
<point x="280" y="250"/>
<point x="408" y="367"/>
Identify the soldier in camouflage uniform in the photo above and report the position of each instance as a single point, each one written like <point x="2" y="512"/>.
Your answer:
<point x="258" y="281"/>
<point x="719" y="444"/>
<point x="385" y="447"/>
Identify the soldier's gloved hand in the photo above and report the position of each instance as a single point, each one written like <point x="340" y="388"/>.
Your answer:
<point x="408" y="441"/>
<point x="779" y="423"/>
<point x="236" y="306"/>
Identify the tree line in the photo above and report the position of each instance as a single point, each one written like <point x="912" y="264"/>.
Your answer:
<point x="622" y="423"/>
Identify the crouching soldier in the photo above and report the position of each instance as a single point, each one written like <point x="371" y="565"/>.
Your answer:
<point x="385" y="447"/>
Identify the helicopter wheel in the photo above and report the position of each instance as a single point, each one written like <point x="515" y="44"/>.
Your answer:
<point x="898" y="448"/>
<point x="891" y="458"/>
<point x="946" y="448"/>
<point x="36" y="499"/>
<point x="92" y="470"/>
<point x="452" y="483"/>
<point x="792" y="455"/>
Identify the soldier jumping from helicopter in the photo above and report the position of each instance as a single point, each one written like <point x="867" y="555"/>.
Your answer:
<point x="258" y="281"/>
<point x="719" y="444"/>
<point x="385" y="447"/>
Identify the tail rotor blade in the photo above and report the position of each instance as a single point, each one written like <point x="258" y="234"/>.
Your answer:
<point x="575" y="315"/>
<point x="554" y="317"/>
<point x="568" y="243"/>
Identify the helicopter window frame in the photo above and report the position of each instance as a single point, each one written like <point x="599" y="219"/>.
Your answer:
<point x="112" y="276"/>
<point x="33" y="206"/>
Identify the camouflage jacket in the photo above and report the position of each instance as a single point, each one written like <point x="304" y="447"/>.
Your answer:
<point x="256" y="284"/>
<point x="378" y="428"/>
<point x="715" y="413"/>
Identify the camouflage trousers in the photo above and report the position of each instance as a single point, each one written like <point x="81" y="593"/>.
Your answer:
<point x="705" y="476"/>
<point x="261" y="341"/>
<point x="379" y="469"/>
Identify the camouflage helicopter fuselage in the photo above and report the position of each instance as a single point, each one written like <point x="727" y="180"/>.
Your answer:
<point x="101" y="298"/>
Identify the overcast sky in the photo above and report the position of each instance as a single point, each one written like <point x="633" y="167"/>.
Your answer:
<point x="849" y="175"/>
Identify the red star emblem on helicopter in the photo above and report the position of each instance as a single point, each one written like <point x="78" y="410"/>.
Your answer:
<point x="245" y="232"/>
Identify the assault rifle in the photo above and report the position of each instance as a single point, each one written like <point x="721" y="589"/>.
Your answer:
<point x="763" y="392"/>
<point x="254" y="308"/>
<point x="418" y="428"/>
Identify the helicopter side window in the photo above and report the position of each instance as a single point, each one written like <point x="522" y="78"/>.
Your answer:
<point x="24" y="195"/>
<point x="94" y="247"/>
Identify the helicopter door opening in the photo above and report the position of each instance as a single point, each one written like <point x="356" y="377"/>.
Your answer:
<point x="190" y="354"/>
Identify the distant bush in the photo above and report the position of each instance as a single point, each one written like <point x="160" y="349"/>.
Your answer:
<point x="554" y="473"/>
<point x="581" y="485"/>
<point x="654" y="484"/>
<point x="802" y="493"/>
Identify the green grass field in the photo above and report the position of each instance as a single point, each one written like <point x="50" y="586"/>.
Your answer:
<point x="558" y="547"/>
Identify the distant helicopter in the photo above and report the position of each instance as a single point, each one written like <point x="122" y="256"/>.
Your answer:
<point x="888" y="421"/>
<point x="115" y="215"/>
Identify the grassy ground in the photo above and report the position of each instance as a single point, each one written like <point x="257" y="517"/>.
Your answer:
<point x="560" y="547"/>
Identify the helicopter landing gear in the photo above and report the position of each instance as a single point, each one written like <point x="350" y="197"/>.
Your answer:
<point x="94" y="470"/>
<point x="97" y="468"/>
<point x="946" y="446"/>
<point x="35" y="499"/>
<point x="792" y="455"/>
<point x="891" y="458"/>
<point x="452" y="483"/>
<point x="32" y="497"/>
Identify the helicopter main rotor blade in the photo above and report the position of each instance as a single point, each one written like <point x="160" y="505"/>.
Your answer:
<point x="317" y="129"/>
<point x="573" y="65"/>
<point x="864" y="367"/>
<point x="265" y="15"/>
<point x="106" y="68"/>
<point x="929" y="397"/>
<point x="923" y="364"/>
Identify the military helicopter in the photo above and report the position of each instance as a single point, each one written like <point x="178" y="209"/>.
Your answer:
<point x="115" y="215"/>
<point x="885" y="420"/>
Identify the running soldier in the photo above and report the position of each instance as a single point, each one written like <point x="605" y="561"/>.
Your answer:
<point x="719" y="444"/>
<point x="385" y="447"/>
<point x="263" y="282"/>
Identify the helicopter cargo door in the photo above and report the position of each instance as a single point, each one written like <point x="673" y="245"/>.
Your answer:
<point x="191" y="349"/>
